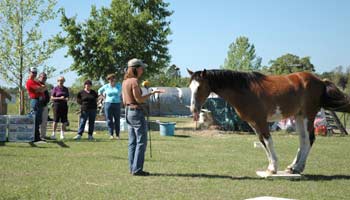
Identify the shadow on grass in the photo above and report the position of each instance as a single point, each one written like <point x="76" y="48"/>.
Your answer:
<point x="317" y="177"/>
<point x="2" y="144"/>
<point x="182" y="136"/>
<point x="61" y="144"/>
<point x="32" y="144"/>
<point x="209" y="176"/>
<point x="83" y="140"/>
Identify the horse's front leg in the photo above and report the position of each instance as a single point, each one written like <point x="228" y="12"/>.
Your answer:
<point x="262" y="130"/>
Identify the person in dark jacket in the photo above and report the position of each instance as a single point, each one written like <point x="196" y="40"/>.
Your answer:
<point x="87" y="98"/>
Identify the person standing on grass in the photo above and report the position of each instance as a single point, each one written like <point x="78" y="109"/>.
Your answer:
<point x="112" y="93"/>
<point x="42" y="80"/>
<point x="36" y="94"/>
<point x="60" y="95"/>
<point x="135" y="117"/>
<point x="87" y="98"/>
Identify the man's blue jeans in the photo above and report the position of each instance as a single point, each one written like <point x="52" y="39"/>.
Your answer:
<point x="84" y="116"/>
<point x="37" y="109"/>
<point x="137" y="128"/>
<point x="112" y="112"/>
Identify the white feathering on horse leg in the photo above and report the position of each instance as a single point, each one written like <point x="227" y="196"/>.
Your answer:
<point x="298" y="164"/>
<point x="271" y="155"/>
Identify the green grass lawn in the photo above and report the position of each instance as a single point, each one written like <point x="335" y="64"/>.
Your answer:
<point x="191" y="165"/>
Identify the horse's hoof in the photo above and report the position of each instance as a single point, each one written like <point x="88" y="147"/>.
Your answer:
<point x="270" y="172"/>
<point x="290" y="170"/>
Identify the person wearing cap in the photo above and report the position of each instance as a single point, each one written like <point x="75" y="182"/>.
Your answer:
<point x="112" y="93"/>
<point x="36" y="93"/>
<point x="87" y="98"/>
<point x="42" y="79"/>
<point x="59" y="96"/>
<point x="135" y="117"/>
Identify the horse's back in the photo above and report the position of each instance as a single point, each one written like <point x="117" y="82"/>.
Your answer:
<point x="296" y="93"/>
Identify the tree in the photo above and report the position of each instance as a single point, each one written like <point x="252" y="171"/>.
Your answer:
<point x="290" y="63"/>
<point x="21" y="42"/>
<point x="111" y="36"/>
<point x="169" y="77"/>
<point x="241" y="56"/>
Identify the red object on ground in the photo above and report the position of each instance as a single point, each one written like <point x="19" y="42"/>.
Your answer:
<point x="321" y="130"/>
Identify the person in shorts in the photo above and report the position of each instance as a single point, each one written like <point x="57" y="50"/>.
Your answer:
<point x="59" y="96"/>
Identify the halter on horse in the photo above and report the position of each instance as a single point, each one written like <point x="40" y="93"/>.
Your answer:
<point x="259" y="99"/>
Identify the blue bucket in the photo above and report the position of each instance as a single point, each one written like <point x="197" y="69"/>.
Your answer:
<point x="167" y="128"/>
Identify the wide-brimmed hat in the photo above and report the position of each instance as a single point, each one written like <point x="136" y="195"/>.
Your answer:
<point x="109" y="76"/>
<point x="136" y="63"/>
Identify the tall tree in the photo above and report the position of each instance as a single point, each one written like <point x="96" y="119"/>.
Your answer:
<point x="111" y="36"/>
<point x="290" y="63"/>
<point x="241" y="56"/>
<point x="21" y="41"/>
<point x="169" y="77"/>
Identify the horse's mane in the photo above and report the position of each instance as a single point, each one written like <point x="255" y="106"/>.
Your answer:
<point x="223" y="79"/>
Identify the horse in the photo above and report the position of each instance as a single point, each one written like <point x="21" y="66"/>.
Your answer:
<point x="259" y="99"/>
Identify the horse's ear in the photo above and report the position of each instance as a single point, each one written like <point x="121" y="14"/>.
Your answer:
<point x="203" y="73"/>
<point x="189" y="71"/>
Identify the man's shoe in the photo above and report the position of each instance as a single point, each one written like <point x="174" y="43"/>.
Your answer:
<point x="141" y="173"/>
<point x="90" y="138"/>
<point x="77" y="137"/>
<point x="43" y="139"/>
<point x="111" y="137"/>
<point x="62" y="136"/>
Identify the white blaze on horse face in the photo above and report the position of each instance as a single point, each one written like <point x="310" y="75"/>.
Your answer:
<point x="194" y="88"/>
<point x="276" y="116"/>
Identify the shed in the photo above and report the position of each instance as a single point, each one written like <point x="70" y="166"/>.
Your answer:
<point x="174" y="101"/>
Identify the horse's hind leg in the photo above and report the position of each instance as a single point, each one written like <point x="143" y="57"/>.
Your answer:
<point x="306" y="138"/>
<point x="266" y="139"/>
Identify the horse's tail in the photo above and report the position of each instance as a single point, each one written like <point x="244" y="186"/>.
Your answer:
<point x="334" y="99"/>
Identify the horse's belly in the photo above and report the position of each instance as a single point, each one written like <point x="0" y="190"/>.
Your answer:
<point x="275" y="118"/>
<point x="276" y="115"/>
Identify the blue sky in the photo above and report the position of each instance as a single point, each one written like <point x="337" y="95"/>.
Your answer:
<point x="203" y="30"/>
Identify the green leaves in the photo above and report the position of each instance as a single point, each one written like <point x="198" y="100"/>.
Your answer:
<point x="290" y="63"/>
<point x="111" y="36"/>
<point x="21" y="41"/>
<point x="241" y="56"/>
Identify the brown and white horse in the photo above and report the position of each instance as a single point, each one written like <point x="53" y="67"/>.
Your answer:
<point x="259" y="99"/>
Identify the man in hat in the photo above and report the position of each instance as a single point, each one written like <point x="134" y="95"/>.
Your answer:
<point x="36" y="94"/>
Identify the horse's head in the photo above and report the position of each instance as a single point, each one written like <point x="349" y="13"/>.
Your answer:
<point x="200" y="90"/>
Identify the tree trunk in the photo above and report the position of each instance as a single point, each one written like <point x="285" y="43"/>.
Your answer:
<point x="21" y="101"/>
<point x="21" y="92"/>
